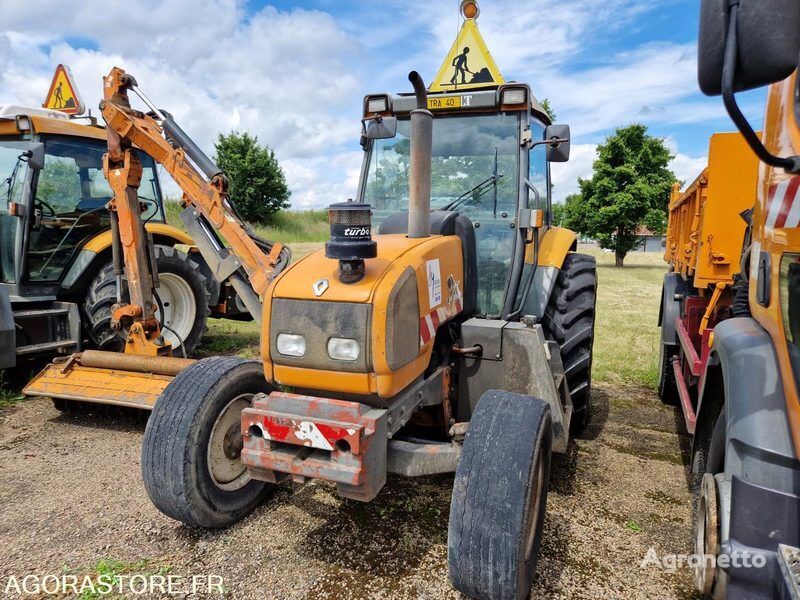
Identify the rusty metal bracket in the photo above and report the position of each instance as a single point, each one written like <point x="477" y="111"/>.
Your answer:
<point x="316" y="438"/>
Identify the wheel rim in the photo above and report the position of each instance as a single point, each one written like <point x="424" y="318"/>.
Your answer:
<point x="536" y="485"/>
<point x="225" y="446"/>
<point x="177" y="300"/>
<point x="706" y="541"/>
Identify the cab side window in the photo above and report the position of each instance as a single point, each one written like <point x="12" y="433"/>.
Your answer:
<point x="537" y="173"/>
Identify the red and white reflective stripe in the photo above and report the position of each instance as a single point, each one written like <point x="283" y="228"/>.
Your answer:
<point x="429" y="323"/>
<point x="784" y="204"/>
<point x="304" y="433"/>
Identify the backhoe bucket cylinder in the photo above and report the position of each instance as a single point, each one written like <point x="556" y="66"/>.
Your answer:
<point x="419" y="172"/>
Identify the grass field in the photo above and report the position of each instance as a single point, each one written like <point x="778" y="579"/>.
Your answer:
<point x="626" y="334"/>
<point x="288" y="227"/>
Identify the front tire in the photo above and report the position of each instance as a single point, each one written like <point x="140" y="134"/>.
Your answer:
<point x="192" y="442"/>
<point x="569" y="320"/>
<point x="499" y="497"/>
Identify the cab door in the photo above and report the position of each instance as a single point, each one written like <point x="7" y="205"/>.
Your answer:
<point x="15" y="182"/>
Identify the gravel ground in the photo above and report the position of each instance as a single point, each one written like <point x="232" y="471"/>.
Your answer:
<point x="72" y="501"/>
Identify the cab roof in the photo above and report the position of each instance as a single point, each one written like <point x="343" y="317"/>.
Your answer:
<point x="15" y="120"/>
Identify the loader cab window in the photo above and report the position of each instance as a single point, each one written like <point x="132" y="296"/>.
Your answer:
<point x="475" y="171"/>
<point x="70" y="203"/>
<point x="13" y="171"/>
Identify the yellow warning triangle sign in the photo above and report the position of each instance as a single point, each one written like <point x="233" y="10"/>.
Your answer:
<point x="468" y="65"/>
<point x="63" y="95"/>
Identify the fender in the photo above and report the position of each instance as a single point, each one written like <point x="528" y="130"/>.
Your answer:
<point x="102" y="241"/>
<point x="759" y="446"/>
<point x="554" y="246"/>
<point x="99" y="247"/>
<point x="670" y="309"/>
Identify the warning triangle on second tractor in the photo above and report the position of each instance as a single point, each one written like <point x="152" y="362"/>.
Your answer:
<point x="469" y="64"/>
<point x="63" y="95"/>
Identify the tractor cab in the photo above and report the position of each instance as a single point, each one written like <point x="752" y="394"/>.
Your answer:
<point x="490" y="163"/>
<point x="54" y="227"/>
<point x="54" y="196"/>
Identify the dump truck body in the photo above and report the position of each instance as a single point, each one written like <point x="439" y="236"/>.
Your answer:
<point x="706" y="237"/>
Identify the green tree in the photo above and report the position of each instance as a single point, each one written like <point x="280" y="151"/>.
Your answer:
<point x="548" y="110"/>
<point x="257" y="184"/>
<point x="630" y="188"/>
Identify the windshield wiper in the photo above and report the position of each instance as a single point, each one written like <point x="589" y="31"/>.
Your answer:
<point x="479" y="190"/>
<point x="9" y="181"/>
<point x="476" y="192"/>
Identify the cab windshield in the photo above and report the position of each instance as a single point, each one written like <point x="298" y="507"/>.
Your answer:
<point x="474" y="170"/>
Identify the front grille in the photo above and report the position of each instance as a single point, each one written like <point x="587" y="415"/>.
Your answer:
<point x="317" y="322"/>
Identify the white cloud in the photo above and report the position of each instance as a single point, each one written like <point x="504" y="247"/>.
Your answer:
<point x="295" y="78"/>
<point x="284" y="76"/>
<point x="565" y="175"/>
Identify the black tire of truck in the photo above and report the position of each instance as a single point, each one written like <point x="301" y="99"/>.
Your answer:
<point x="182" y="274"/>
<point x="569" y="321"/>
<point x="499" y="497"/>
<point x="667" y="386"/>
<point x="198" y="414"/>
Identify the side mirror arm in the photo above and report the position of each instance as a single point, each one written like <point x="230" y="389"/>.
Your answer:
<point x="790" y="164"/>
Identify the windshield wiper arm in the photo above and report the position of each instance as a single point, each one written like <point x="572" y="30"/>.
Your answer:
<point x="477" y="191"/>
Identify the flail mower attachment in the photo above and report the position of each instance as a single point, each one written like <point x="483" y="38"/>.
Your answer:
<point x="107" y="378"/>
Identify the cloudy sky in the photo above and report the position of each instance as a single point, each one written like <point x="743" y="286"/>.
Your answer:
<point x="294" y="73"/>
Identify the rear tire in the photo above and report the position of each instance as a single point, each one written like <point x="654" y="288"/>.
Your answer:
<point x="499" y="497"/>
<point x="569" y="320"/>
<point x="183" y="284"/>
<point x="182" y="473"/>
<point x="667" y="386"/>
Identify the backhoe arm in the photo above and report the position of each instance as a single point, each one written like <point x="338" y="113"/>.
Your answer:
<point x="247" y="261"/>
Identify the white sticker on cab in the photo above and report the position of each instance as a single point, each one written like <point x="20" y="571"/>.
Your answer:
<point x="434" y="283"/>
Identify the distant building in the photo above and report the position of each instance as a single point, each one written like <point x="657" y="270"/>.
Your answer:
<point x="649" y="241"/>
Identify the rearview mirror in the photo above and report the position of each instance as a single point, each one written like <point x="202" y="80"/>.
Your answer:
<point x="381" y="128"/>
<point x="32" y="153"/>
<point x="557" y="138"/>
<point x="767" y="44"/>
<point x="36" y="156"/>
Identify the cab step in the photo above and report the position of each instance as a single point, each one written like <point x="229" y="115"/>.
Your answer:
<point x="44" y="347"/>
<point x="40" y="312"/>
<point x="46" y="328"/>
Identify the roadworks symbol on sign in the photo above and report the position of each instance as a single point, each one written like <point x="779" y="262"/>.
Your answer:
<point x="63" y="95"/>
<point x="468" y="65"/>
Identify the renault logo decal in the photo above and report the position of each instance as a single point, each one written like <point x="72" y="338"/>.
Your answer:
<point x="320" y="287"/>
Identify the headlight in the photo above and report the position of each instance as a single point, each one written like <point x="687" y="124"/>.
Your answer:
<point x="377" y="104"/>
<point x="343" y="349"/>
<point x="291" y="345"/>
<point x="514" y="96"/>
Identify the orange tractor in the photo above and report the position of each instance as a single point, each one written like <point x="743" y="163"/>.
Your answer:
<point x="457" y="339"/>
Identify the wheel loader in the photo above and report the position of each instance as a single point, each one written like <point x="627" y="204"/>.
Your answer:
<point x="446" y="327"/>
<point x="730" y="357"/>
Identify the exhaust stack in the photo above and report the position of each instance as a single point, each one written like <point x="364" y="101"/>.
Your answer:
<point x="419" y="172"/>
